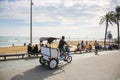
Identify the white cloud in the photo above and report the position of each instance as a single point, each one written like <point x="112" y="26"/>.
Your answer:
<point x="74" y="13"/>
<point x="71" y="14"/>
<point x="46" y="2"/>
<point x="14" y="10"/>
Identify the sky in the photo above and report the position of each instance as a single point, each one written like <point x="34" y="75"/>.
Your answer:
<point x="71" y="18"/>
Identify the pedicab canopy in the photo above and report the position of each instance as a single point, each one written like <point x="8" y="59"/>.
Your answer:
<point x="48" y="39"/>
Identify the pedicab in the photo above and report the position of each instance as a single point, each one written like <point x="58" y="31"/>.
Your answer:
<point x="51" y="56"/>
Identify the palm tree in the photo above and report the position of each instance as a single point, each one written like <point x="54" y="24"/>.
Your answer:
<point x="108" y="19"/>
<point x="117" y="9"/>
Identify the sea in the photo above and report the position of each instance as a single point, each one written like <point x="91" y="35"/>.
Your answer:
<point x="8" y="41"/>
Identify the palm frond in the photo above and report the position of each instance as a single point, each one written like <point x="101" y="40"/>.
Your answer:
<point x="111" y="22"/>
<point x="117" y="9"/>
<point x="109" y="18"/>
<point x="102" y="20"/>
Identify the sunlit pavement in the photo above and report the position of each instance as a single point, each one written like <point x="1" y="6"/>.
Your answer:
<point x="86" y="66"/>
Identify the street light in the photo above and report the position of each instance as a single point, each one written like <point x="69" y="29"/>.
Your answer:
<point x="31" y="21"/>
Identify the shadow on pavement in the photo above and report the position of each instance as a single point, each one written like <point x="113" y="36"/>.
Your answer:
<point x="31" y="58"/>
<point x="19" y="58"/>
<point x="40" y="72"/>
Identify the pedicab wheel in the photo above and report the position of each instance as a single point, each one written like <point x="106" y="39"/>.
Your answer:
<point x="53" y="64"/>
<point x="69" y="59"/>
<point x="41" y="60"/>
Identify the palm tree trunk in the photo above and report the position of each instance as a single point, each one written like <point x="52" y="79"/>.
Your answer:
<point x="105" y="33"/>
<point x="118" y="32"/>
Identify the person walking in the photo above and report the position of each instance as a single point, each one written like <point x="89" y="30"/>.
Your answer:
<point x="96" y="47"/>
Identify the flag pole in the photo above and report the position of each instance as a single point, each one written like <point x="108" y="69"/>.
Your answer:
<point x="31" y="22"/>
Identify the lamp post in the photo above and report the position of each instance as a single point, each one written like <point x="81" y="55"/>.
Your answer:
<point x="31" y="21"/>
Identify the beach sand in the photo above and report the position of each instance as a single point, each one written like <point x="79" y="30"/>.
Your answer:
<point x="18" y="49"/>
<point x="15" y="49"/>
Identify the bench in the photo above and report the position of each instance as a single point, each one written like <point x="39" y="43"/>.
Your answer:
<point x="9" y="55"/>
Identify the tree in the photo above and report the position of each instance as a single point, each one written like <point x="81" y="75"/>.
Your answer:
<point x="117" y="16"/>
<point x="108" y="19"/>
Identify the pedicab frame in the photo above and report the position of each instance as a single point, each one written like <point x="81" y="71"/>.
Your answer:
<point x="49" y="55"/>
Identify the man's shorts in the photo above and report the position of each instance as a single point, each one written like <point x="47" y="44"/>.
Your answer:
<point x="62" y="50"/>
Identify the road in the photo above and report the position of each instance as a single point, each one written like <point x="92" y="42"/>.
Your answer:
<point x="105" y="66"/>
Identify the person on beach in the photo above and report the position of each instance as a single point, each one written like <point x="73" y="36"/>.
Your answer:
<point x="35" y="49"/>
<point x="29" y="49"/>
<point x="96" y="47"/>
<point x="88" y="47"/>
<point x="61" y="46"/>
<point x="82" y="46"/>
<point x="78" y="47"/>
